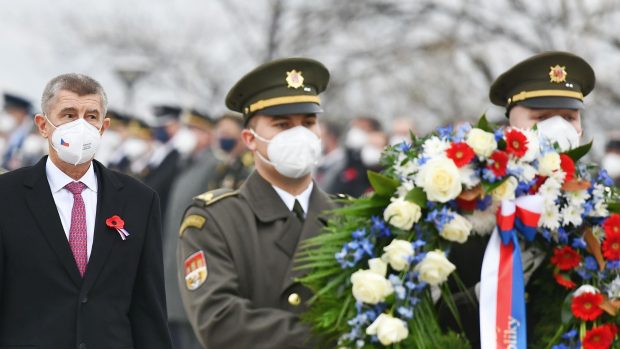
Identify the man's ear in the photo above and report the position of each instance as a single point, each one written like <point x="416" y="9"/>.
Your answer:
<point x="43" y="127"/>
<point x="106" y="124"/>
<point x="249" y="139"/>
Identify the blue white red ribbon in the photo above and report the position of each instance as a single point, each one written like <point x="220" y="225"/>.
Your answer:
<point x="502" y="289"/>
<point x="123" y="233"/>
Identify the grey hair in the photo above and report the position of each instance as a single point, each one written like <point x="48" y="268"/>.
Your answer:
<point x="79" y="84"/>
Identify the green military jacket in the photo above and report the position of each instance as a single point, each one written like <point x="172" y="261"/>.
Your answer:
<point x="236" y="267"/>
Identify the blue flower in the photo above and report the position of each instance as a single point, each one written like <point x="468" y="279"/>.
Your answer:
<point x="445" y="132"/>
<point x="570" y="334"/>
<point x="440" y="217"/>
<point x="484" y="203"/>
<point x="562" y="236"/>
<point x="359" y="233"/>
<point x="422" y="160"/>
<point x="379" y="226"/>
<point x="603" y="176"/>
<point x="579" y="243"/>
<point x="405" y="312"/>
<point x="584" y="274"/>
<point x="499" y="134"/>
<point x="404" y="146"/>
<point x="488" y="175"/>
<point x="590" y="263"/>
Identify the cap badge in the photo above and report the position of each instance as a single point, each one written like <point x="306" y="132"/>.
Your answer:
<point x="294" y="79"/>
<point x="558" y="73"/>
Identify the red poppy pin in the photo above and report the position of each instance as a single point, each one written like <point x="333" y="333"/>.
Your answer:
<point x="117" y="223"/>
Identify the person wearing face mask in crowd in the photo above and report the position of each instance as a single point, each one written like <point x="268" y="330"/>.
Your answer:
<point x="333" y="160"/>
<point x="546" y="90"/>
<point x="235" y="162"/>
<point x="194" y="176"/>
<point x="163" y="164"/>
<point x="21" y="147"/>
<point x="134" y="152"/>
<point x="611" y="159"/>
<point x="237" y="247"/>
<point x="353" y="179"/>
<point x="113" y="138"/>
<point x="80" y="263"/>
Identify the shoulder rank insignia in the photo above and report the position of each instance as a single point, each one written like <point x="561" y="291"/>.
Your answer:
<point x="558" y="73"/>
<point x="213" y="196"/>
<point x="195" y="270"/>
<point x="294" y="79"/>
<point x="192" y="221"/>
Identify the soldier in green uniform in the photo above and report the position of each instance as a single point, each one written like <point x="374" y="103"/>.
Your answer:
<point x="237" y="248"/>
<point x="546" y="90"/>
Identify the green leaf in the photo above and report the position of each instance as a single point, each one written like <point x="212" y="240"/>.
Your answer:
<point x="614" y="207"/>
<point x="413" y="137"/>
<point x="484" y="124"/>
<point x="567" y="313"/>
<point x="417" y="196"/>
<point x="382" y="184"/>
<point x="489" y="187"/>
<point x="579" y="152"/>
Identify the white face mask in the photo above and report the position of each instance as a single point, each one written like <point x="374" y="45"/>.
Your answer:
<point x="611" y="163"/>
<point x="356" y="138"/>
<point x="135" y="148"/>
<point x="7" y="122"/>
<point x="293" y="153"/>
<point x="184" y="141"/>
<point x="370" y="155"/>
<point x="75" y="142"/>
<point x="558" y="130"/>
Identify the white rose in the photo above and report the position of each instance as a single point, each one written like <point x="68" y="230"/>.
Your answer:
<point x="440" y="179"/>
<point x="402" y="213"/>
<point x="371" y="286"/>
<point x="435" y="268"/>
<point x="506" y="191"/>
<point x="548" y="164"/>
<point x="457" y="229"/>
<point x="388" y="329"/>
<point x="398" y="253"/>
<point x="483" y="143"/>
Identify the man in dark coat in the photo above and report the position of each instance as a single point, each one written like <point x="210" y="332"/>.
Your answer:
<point x="80" y="245"/>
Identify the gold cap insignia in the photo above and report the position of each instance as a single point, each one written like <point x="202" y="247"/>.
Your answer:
<point x="558" y="74"/>
<point x="294" y="79"/>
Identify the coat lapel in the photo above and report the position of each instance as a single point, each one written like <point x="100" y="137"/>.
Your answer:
<point x="319" y="202"/>
<point x="109" y="203"/>
<point x="43" y="208"/>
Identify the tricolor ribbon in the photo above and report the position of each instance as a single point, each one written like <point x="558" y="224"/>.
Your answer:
<point x="117" y="223"/>
<point x="502" y="289"/>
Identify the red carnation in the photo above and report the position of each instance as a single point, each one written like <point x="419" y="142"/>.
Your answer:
<point x="612" y="224"/>
<point x="565" y="258"/>
<point x="115" y="222"/>
<point x="568" y="166"/>
<point x="499" y="163"/>
<point x="600" y="337"/>
<point x="586" y="306"/>
<point x="611" y="246"/>
<point x="564" y="281"/>
<point x="516" y="143"/>
<point x="460" y="153"/>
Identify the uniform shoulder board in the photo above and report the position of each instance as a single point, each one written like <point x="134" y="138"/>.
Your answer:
<point x="213" y="196"/>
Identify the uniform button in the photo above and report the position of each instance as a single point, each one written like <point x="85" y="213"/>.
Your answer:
<point x="84" y="300"/>
<point x="294" y="299"/>
<point x="82" y="346"/>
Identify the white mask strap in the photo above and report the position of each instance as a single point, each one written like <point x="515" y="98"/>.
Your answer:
<point x="259" y="137"/>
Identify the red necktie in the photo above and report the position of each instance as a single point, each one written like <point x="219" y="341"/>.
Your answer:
<point x="77" y="232"/>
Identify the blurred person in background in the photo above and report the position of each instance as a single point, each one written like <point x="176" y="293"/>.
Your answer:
<point x="163" y="165"/>
<point x="134" y="152"/>
<point x="611" y="159"/>
<point x="352" y="180"/>
<point x="16" y="125"/>
<point x="113" y="138"/>
<point x="193" y="178"/>
<point x="333" y="160"/>
<point x="401" y="130"/>
<point x="235" y="162"/>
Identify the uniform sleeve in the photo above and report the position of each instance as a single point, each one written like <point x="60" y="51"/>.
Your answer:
<point x="148" y="304"/>
<point x="220" y="316"/>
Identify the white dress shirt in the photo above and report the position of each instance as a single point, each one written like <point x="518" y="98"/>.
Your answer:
<point x="64" y="199"/>
<point x="289" y="200"/>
